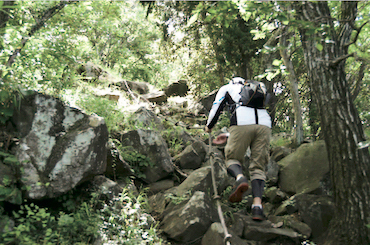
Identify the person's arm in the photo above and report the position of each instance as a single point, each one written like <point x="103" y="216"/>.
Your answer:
<point x="217" y="107"/>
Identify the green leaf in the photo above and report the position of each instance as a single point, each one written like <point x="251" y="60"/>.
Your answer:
<point x="276" y="62"/>
<point x="7" y="112"/>
<point x="192" y="19"/>
<point x="4" y="154"/>
<point x="11" y="160"/>
<point x="258" y="34"/>
<point x="319" y="47"/>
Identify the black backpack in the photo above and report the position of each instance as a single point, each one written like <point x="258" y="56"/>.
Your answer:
<point x="254" y="94"/>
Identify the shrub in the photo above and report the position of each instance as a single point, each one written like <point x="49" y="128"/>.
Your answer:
<point x="123" y="221"/>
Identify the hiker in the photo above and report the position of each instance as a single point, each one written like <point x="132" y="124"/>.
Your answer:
<point x="250" y="126"/>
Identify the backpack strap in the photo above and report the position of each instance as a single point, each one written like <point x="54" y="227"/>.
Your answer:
<point x="256" y="115"/>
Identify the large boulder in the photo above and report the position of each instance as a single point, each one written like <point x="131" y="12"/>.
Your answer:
<point x="90" y="71"/>
<point x="198" y="180"/>
<point x="158" y="97"/>
<point x="216" y="236"/>
<point x="179" y="88"/>
<point x="60" y="146"/>
<point x="193" y="156"/>
<point x="207" y="101"/>
<point x="190" y="221"/>
<point x="263" y="231"/>
<point x="150" y="144"/>
<point x="316" y="212"/>
<point x="201" y="179"/>
<point x="305" y="170"/>
<point x="128" y="86"/>
<point x="292" y="222"/>
<point x="279" y="152"/>
<point x="272" y="172"/>
<point x="146" y="118"/>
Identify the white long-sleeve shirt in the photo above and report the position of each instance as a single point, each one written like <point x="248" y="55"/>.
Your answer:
<point x="240" y="115"/>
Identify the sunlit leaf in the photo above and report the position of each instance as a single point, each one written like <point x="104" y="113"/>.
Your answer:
<point x="192" y="19"/>
<point x="319" y="46"/>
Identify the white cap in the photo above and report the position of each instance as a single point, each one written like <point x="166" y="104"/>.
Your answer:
<point x="237" y="80"/>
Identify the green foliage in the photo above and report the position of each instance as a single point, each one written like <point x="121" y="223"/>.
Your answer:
<point x="172" y="136"/>
<point x="120" y="38"/>
<point x="179" y="199"/>
<point x="281" y="141"/>
<point x="8" y="187"/>
<point x="130" y="225"/>
<point x="37" y="225"/>
<point x="105" y="108"/>
<point x="9" y="98"/>
<point x="136" y="160"/>
<point x="211" y="39"/>
<point x="124" y="221"/>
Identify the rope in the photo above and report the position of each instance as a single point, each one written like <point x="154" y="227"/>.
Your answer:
<point x="216" y="196"/>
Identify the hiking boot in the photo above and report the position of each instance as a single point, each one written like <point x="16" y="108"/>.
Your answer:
<point x="239" y="188"/>
<point x="257" y="214"/>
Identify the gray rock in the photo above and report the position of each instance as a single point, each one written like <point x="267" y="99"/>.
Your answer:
<point x="290" y="221"/>
<point x="90" y="71"/>
<point x="275" y="195"/>
<point x="272" y="172"/>
<point x="304" y="170"/>
<point x="198" y="180"/>
<point x="201" y="179"/>
<point x="264" y="231"/>
<point x="161" y="186"/>
<point x="137" y="87"/>
<point x="179" y="88"/>
<point x="215" y="236"/>
<point x="190" y="221"/>
<point x="207" y="101"/>
<point x="159" y="202"/>
<point x="151" y="144"/>
<point x="145" y="118"/>
<point x="278" y="153"/>
<point x="60" y="146"/>
<point x="158" y="97"/>
<point x="106" y="187"/>
<point x="193" y="156"/>
<point x="316" y="212"/>
<point x="288" y="206"/>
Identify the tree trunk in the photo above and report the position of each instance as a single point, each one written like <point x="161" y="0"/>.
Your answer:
<point x="313" y="115"/>
<point x="325" y="53"/>
<point x="293" y="86"/>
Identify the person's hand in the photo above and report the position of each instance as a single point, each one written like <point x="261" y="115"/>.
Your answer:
<point x="207" y="130"/>
<point x="221" y="139"/>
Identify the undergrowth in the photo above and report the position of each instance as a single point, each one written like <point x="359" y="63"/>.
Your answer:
<point x="120" y="221"/>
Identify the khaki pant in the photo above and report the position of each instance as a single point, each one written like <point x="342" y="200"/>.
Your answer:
<point x="257" y="137"/>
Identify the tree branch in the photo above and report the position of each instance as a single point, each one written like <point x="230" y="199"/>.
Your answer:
<point x="358" y="82"/>
<point x="339" y="59"/>
<point x="37" y="26"/>
<point x="357" y="34"/>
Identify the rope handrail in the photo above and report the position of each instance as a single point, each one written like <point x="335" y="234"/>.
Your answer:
<point x="217" y="197"/>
